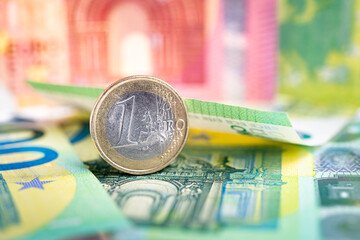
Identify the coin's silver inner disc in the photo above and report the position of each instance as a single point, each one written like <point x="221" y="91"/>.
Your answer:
<point x="140" y="125"/>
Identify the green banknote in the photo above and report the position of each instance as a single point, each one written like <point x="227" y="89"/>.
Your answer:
<point x="46" y="192"/>
<point x="221" y="186"/>
<point x="215" y="116"/>
<point x="319" y="55"/>
<point x="337" y="184"/>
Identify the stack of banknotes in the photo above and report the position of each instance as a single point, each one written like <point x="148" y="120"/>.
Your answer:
<point x="243" y="173"/>
<point x="250" y="175"/>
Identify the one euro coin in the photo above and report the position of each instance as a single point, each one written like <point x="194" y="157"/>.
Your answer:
<point x="139" y="124"/>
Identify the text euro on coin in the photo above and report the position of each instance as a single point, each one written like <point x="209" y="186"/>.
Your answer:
<point x="139" y="124"/>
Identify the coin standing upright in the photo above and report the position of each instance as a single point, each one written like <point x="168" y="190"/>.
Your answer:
<point x="139" y="124"/>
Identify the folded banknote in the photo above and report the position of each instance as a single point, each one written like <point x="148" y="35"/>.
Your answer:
<point x="217" y="117"/>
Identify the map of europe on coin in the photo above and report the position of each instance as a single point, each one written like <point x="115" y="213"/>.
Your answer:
<point x="143" y="139"/>
<point x="139" y="124"/>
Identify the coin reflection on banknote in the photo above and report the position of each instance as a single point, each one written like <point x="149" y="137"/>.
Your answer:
<point x="139" y="124"/>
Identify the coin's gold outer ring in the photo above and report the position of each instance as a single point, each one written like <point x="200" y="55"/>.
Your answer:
<point x="116" y="91"/>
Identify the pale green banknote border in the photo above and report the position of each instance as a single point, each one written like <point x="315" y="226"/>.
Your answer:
<point x="193" y="105"/>
<point x="202" y="115"/>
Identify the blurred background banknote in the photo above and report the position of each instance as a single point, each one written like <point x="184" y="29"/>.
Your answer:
<point x="319" y="50"/>
<point x="219" y="50"/>
<point x="203" y="48"/>
<point x="299" y="57"/>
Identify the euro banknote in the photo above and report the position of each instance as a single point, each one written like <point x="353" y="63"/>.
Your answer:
<point x="224" y="186"/>
<point x="329" y="60"/>
<point x="94" y="43"/>
<point x="220" y="186"/>
<point x="249" y="50"/>
<point x="216" y="116"/>
<point x="45" y="190"/>
<point x="337" y="184"/>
